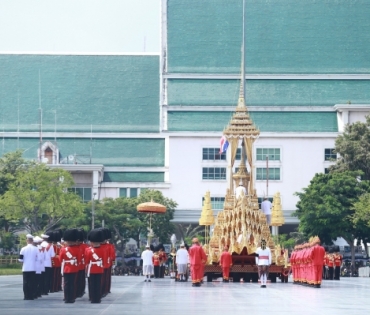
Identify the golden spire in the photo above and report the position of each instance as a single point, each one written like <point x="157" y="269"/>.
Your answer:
<point x="206" y="217"/>
<point x="277" y="217"/>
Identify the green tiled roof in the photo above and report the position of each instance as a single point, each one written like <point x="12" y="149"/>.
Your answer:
<point x="268" y="92"/>
<point x="265" y="121"/>
<point x="133" y="177"/>
<point x="107" y="93"/>
<point x="110" y="152"/>
<point x="282" y="36"/>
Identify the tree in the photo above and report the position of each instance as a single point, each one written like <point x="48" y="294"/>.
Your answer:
<point x="362" y="209"/>
<point x="161" y="223"/>
<point x="10" y="164"/>
<point x="188" y="231"/>
<point x="39" y="197"/>
<point x="121" y="216"/>
<point x="354" y="149"/>
<point x="325" y="207"/>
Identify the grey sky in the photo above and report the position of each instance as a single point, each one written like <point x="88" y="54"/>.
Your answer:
<point x="115" y="26"/>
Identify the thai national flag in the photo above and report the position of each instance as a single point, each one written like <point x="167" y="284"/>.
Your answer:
<point x="224" y="144"/>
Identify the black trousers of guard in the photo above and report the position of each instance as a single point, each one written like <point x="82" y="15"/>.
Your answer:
<point x="29" y="284"/>
<point x="161" y="271"/>
<point x="331" y="273"/>
<point x="95" y="287"/>
<point x="47" y="279"/>
<point x="337" y="273"/>
<point x="70" y="287"/>
<point x="37" y="288"/>
<point x="81" y="283"/>
<point x="156" y="271"/>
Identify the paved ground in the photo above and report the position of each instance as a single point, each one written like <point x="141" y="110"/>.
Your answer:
<point x="131" y="295"/>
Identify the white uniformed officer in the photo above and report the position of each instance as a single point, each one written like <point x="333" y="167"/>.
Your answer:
<point x="28" y="256"/>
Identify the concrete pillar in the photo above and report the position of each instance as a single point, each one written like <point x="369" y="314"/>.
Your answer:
<point x="95" y="188"/>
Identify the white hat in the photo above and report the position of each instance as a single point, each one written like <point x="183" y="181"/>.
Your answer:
<point x="44" y="244"/>
<point x="29" y="236"/>
<point x="44" y="236"/>
<point x="182" y="244"/>
<point x="37" y="239"/>
<point x="147" y="245"/>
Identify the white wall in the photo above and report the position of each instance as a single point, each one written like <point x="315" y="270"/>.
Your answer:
<point x="301" y="158"/>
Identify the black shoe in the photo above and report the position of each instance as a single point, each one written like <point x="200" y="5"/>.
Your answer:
<point x="198" y="284"/>
<point x="149" y="280"/>
<point x="194" y="285"/>
<point x="72" y="301"/>
<point x="145" y="280"/>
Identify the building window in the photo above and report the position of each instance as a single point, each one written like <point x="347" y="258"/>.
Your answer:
<point x="143" y="190"/>
<point x="84" y="193"/>
<point x="238" y="155"/>
<point x="133" y="192"/>
<point x="214" y="173"/>
<point x="123" y="192"/>
<point x="330" y="155"/>
<point x="274" y="173"/>
<point x="326" y="171"/>
<point x="273" y="154"/>
<point x="260" y="199"/>
<point x="213" y="154"/>
<point x="217" y="203"/>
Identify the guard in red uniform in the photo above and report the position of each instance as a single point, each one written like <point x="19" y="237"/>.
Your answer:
<point x="330" y="263"/>
<point x="57" y="277"/>
<point x="338" y="259"/>
<point x="81" y="280"/>
<point x="162" y="261"/>
<point x="197" y="256"/>
<point x="94" y="257"/>
<point x="107" y="264"/>
<point x="225" y="263"/>
<point x="69" y="257"/>
<point x="317" y="257"/>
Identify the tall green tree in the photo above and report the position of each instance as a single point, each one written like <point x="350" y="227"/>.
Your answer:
<point x="354" y="149"/>
<point x="39" y="197"/>
<point x="11" y="163"/>
<point x="121" y="216"/>
<point x="325" y="207"/>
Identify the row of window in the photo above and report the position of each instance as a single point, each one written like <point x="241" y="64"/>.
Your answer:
<point x="213" y="154"/>
<point x="219" y="173"/>
<point x="131" y="192"/>
<point x="218" y="202"/>
<point x="86" y="193"/>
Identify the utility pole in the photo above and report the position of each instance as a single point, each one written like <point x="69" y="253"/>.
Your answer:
<point x="267" y="176"/>
<point x="93" y="212"/>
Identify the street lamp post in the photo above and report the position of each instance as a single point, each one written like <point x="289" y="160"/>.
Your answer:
<point x="93" y="212"/>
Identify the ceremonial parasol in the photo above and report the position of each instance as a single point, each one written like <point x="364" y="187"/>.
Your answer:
<point x="151" y="207"/>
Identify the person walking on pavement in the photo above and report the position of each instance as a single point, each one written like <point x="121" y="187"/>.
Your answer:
<point x="28" y="256"/>
<point x="197" y="259"/>
<point x="147" y="257"/>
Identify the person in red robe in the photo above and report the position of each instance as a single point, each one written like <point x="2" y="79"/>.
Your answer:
<point x="225" y="263"/>
<point x="317" y="257"/>
<point x="197" y="257"/>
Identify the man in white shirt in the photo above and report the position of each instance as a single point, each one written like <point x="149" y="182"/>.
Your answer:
<point x="28" y="256"/>
<point x="40" y="267"/>
<point x="266" y="206"/>
<point x="240" y="191"/>
<point x="49" y="253"/>
<point x="263" y="261"/>
<point x="147" y="257"/>
<point x="182" y="260"/>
